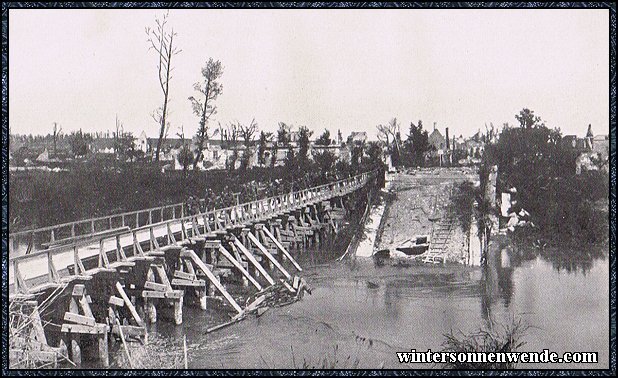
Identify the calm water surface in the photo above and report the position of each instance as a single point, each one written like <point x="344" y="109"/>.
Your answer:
<point x="361" y="314"/>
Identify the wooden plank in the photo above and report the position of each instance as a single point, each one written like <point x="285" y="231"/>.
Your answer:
<point x="78" y="328"/>
<point x="36" y="355"/>
<point x="83" y="303"/>
<point x="129" y="330"/>
<point x="287" y="285"/>
<point x="78" y="290"/>
<point x="184" y="275"/>
<point x="160" y="271"/>
<point x="212" y="244"/>
<point x="187" y="253"/>
<point x="115" y="301"/>
<point x="193" y="283"/>
<point x="121" y="264"/>
<point x="130" y="306"/>
<point x="253" y="261"/>
<point x="20" y="283"/>
<point x="239" y="266"/>
<point x="268" y="255"/>
<point x="174" y="294"/>
<point x="79" y="319"/>
<point x="155" y="286"/>
<point x="153" y="294"/>
<point x="281" y="248"/>
<point x="214" y="280"/>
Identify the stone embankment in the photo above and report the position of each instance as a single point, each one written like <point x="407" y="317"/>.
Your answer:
<point x="416" y="206"/>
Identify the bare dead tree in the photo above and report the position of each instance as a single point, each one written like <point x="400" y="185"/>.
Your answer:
<point x="162" y="42"/>
<point x="390" y="132"/>
<point x="231" y="133"/>
<point x="248" y="132"/>
<point x="56" y="135"/>
<point x="205" y="108"/>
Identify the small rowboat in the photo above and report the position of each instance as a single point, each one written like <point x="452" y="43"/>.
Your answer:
<point x="414" y="246"/>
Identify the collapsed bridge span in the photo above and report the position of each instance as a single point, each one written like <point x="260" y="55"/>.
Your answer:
<point x="108" y="276"/>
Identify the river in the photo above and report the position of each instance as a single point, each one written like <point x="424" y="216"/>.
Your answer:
<point x="360" y="314"/>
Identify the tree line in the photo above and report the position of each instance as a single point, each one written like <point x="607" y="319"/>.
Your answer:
<point x="533" y="159"/>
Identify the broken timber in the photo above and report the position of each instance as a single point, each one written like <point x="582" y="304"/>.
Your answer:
<point x="150" y="263"/>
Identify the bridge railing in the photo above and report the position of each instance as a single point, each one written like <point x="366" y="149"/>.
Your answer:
<point x="26" y="242"/>
<point x="50" y="266"/>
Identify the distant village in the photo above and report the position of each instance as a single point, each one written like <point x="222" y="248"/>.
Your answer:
<point x="58" y="151"/>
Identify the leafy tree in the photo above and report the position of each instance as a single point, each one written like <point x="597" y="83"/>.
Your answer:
<point x="325" y="161"/>
<point x="246" y="133"/>
<point x="273" y="157"/>
<point x="283" y="134"/>
<point x="185" y="157"/>
<point x="527" y="119"/>
<point x="373" y="158"/>
<point x="283" y="140"/>
<point x="124" y="145"/>
<point x="209" y="89"/>
<point x="416" y="145"/>
<point x="80" y="143"/>
<point x="303" y="147"/>
<point x="324" y="139"/>
<point x="290" y="159"/>
<point x="356" y="151"/>
<point x="245" y="159"/>
<point x="532" y="159"/>
<point x="343" y="168"/>
<point x="265" y="137"/>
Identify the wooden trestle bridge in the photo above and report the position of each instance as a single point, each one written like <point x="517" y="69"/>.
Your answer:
<point x="110" y="275"/>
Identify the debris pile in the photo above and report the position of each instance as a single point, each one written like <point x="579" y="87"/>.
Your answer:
<point x="278" y="295"/>
<point x="28" y="348"/>
<point x="512" y="215"/>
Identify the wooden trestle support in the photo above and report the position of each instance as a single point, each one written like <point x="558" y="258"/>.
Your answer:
<point x="130" y="278"/>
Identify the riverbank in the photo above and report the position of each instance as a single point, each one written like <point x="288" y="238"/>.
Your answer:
<point x="414" y="203"/>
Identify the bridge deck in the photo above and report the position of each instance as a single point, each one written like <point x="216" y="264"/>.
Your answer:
<point x="34" y="267"/>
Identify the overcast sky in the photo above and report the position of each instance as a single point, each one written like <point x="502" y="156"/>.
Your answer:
<point x="339" y="69"/>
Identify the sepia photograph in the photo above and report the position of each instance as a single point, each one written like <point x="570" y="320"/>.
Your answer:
<point x="308" y="187"/>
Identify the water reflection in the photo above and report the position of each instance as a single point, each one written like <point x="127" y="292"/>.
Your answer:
<point x="561" y="292"/>
<point x="399" y="308"/>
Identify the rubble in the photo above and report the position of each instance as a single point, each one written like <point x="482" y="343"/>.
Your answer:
<point x="410" y="216"/>
<point x="278" y="295"/>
